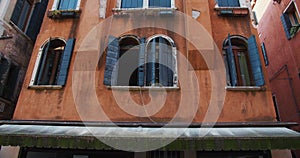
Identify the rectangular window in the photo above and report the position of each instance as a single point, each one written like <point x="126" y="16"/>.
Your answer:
<point x="66" y="5"/>
<point x="147" y="4"/>
<point x="244" y="154"/>
<point x="228" y="3"/>
<point x="263" y="48"/>
<point x="21" y="13"/>
<point x="290" y="20"/>
<point x="164" y="154"/>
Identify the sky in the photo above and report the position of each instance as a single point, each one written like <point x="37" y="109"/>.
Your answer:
<point x="260" y="7"/>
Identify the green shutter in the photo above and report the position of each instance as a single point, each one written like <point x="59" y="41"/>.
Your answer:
<point x="111" y="67"/>
<point x="255" y="62"/>
<point x="65" y="62"/>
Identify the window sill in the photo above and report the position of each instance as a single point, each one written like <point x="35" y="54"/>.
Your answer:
<point x="144" y="11"/>
<point x="137" y="88"/>
<point x="232" y="11"/>
<point x="42" y="87"/>
<point x="245" y="88"/>
<point x="63" y="14"/>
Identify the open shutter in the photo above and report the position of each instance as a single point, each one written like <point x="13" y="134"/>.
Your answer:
<point x="65" y="62"/>
<point x="17" y="11"/>
<point x="141" y="73"/>
<point x="286" y="23"/>
<point x="231" y="64"/>
<point x="151" y="64"/>
<point x="37" y="19"/>
<point x="4" y="72"/>
<point x="255" y="62"/>
<point x="112" y="56"/>
<point x="163" y="62"/>
<point x="42" y="63"/>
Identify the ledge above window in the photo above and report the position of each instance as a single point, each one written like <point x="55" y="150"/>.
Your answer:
<point x="62" y="14"/>
<point x="137" y="88"/>
<point x="144" y="11"/>
<point x="245" y="88"/>
<point x="232" y="11"/>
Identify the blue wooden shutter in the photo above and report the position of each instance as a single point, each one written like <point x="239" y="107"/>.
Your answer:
<point x="163" y="62"/>
<point x="287" y="25"/>
<point x="4" y="72"/>
<point x="36" y="20"/>
<point x="223" y="3"/>
<point x="132" y="4"/>
<point x="234" y="3"/>
<point x="141" y="72"/>
<point x="67" y="4"/>
<point x="255" y="62"/>
<point x="17" y="11"/>
<point x="154" y="3"/>
<point x="112" y="56"/>
<point x="231" y="64"/>
<point x="151" y="64"/>
<point x="65" y="62"/>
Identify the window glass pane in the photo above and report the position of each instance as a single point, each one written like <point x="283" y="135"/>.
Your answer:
<point x="159" y="3"/>
<point x="67" y="4"/>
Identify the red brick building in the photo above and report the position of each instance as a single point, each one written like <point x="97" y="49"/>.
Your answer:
<point x="279" y="35"/>
<point x="102" y="68"/>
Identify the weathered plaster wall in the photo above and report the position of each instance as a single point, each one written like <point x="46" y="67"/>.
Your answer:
<point x="59" y="104"/>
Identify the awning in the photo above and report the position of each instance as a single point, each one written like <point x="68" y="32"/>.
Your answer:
<point x="80" y="137"/>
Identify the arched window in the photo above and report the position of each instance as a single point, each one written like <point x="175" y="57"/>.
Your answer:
<point x="151" y="64"/>
<point x="161" y="62"/>
<point x="53" y="62"/>
<point x="242" y="61"/>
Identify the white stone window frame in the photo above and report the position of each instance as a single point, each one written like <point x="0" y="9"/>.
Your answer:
<point x="37" y="65"/>
<point x="56" y="3"/>
<point x="145" y="5"/>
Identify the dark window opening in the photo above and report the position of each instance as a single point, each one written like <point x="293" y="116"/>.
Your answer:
<point x="274" y="98"/>
<point x="236" y="154"/>
<point x="54" y="62"/>
<point x="264" y="51"/>
<point x="164" y="154"/>
<point x="21" y="13"/>
<point x="128" y="63"/>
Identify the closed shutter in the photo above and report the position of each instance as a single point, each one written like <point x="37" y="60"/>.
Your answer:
<point x="112" y="56"/>
<point x="234" y="3"/>
<point x="231" y="64"/>
<point x="151" y="64"/>
<point x="17" y="11"/>
<point x="223" y="3"/>
<point x="163" y="62"/>
<point x="255" y="62"/>
<point x="43" y="63"/>
<point x="37" y="19"/>
<point x="65" y="62"/>
<point x="4" y="73"/>
<point x="141" y="72"/>
<point x="67" y="4"/>
<point x="287" y="25"/>
<point x="132" y="4"/>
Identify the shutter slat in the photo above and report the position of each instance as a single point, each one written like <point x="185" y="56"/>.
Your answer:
<point x="255" y="62"/>
<point x="65" y="63"/>
<point x="141" y="69"/>
<point x="112" y="57"/>
<point x="151" y="64"/>
<point x="286" y="23"/>
<point x="231" y="64"/>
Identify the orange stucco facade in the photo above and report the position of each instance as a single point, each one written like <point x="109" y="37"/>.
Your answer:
<point x="244" y="104"/>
